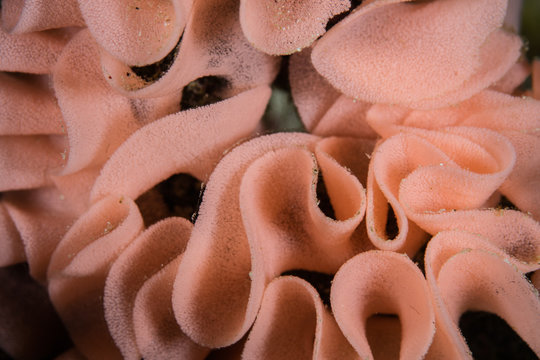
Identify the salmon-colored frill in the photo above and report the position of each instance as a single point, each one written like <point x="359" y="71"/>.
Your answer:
<point x="177" y="288"/>
<point x="419" y="138"/>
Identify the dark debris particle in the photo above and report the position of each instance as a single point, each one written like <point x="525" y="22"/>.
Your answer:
<point x="203" y="91"/>
<point x="152" y="72"/>
<point x="320" y="281"/>
<point x="324" y="200"/>
<point x="490" y="338"/>
<point x="179" y="195"/>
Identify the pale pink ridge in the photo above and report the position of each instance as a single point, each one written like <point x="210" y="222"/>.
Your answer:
<point x="385" y="49"/>
<point x="285" y="27"/>
<point x="378" y="283"/>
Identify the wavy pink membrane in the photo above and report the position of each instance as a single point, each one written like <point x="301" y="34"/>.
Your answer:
<point x="489" y="110"/>
<point x="212" y="45"/>
<point x="323" y="110"/>
<point x="136" y="32"/>
<point x="259" y="218"/>
<point x="293" y="324"/>
<point x="97" y="118"/>
<point x="284" y="27"/>
<point x="25" y="16"/>
<point x="79" y="266"/>
<point x="406" y="53"/>
<point x="188" y="141"/>
<point x="468" y="272"/>
<point x="430" y="172"/>
<point x="138" y="292"/>
<point x="33" y="53"/>
<point x="383" y="282"/>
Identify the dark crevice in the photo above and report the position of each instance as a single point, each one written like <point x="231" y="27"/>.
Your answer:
<point x="333" y="21"/>
<point x="179" y="195"/>
<point x="506" y="204"/>
<point x="323" y="199"/>
<point x="392" y="228"/>
<point x="281" y="114"/>
<point x="418" y="258"/>
<point x="320" y="281"/>
<point x="490" y="338"/>
<point x="153" y="72"/>
<point x="28" y="314"/>
<point x="203" y="91"/>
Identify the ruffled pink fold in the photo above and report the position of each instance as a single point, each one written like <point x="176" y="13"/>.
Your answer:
<point x="405" y="53"/>
<point x="27" y="107"/>
<point x="490" y="110"/>
<point x="259" y="218"/>
<point x="137" y="295"/>
<point x="25" y="16"/>
<point x="323" y="110"/>
<point x="284" y="27"/>
<point x="97" y="118"/>
<point x="36" y="221"/>
<point x="28" y="161"/>
<point x="536" y="79"/>
<point x="212" y="45"/>
<point x="381" y="282"/>
<point x="468" y="272"/>
<point x="79" y="266"/>
<point x="34" y="53"/>
<point x="294" y="324"/>
<point x="188" y="141"/>
<point x="136" y="33"/>
<point x="431" y="172"/>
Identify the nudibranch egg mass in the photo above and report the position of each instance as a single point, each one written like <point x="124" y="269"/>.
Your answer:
<point x="151" y="209"/>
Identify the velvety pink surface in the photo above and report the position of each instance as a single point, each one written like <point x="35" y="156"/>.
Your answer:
<point x="322" y="109"/>
<point x="97" y="118"/>
<point x="212" y="45"/>
<point x="34" y="53"/>
<point x="400" y="52"/>
<point x="136" y="32"/>
<point x="489" y="110"/>
<point x="466" y="271"/>
<point x="25" y="16"/>
<point x="79" y="267"/>
<point x="378" y="283"/>
<point x="259" y="218"/>
<point x="294" y="324"/>
<point x="189" y="141"/>
<point x="285" y="27"/>
<point x="148" y="330"/>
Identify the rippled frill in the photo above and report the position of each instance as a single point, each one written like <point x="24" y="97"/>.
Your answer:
<point x="484" y="272"/>
<point x="402" y="52"/>
<point x="210" y="44"/>
<point x="324" y="111"/>
<point x="514" y="118"/>
<point x="56" y="132"/>
<point x="285" y="27"/>
<point x="189" y="141"/>
<point x="369" y="291"/>
<point x="259" y="218"/>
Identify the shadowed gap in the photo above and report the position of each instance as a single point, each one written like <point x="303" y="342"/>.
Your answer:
<point x="490" y="338"/>
<point x="203" y="91"/>
<point x="152" y="72"/>
<point x="179" y="195"/>
<point x="320" y="281"/>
